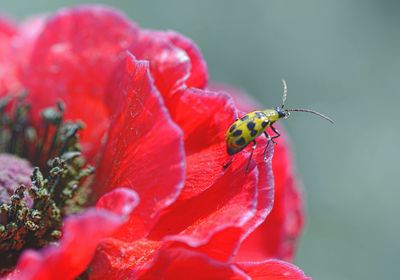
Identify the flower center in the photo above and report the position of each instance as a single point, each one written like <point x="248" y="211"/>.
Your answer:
<point x="14" y="172"/>
<point x="34" y="200"/>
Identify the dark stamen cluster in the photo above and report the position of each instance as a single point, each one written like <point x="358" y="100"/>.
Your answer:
<point x="33" y="216"/>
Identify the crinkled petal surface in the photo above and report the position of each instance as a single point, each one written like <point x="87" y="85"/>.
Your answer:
<point x="176" y="62"/>
<point x="179" y="263"/>
<point x="230" y="201"/>
<point x="221" y="244"/>
<point x="209" y="209"/>
<point x="198" y="76"/>
<point x="169" y="65"/>
<point x="272" y="270"/>
<point x="25" y="40"/>
<point x="73" y="61"/>
<point x="212" y="223"/>
<point x="265" y="198"/>
<point x="9" y="82"/>
<point x="144" y="150"/>
<point x="204" y="117"/>
<point x="210" y="219"/>
<point x="81" y="235"/>
<point x="117" y="259"/>
<point x="277" y="236"/>
<point x="120" y="201"/>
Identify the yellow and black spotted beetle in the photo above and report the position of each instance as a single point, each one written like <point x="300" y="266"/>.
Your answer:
<point x="246" y="129"/>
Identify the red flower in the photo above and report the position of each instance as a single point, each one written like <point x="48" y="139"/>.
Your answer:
<point x="152" y="129"/>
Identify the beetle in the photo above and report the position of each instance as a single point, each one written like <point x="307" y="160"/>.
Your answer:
<point x="246" y="129"/>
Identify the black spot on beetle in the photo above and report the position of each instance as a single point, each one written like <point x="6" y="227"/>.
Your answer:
<point x="264" y="124"/>
<point x="241" y="141"/>
<point x="253" y="133"/>
<point x="251" y="125"/>
<point x="245" y="117"/>
<point x="238" y="132"/>
<point x="232" y="128"/>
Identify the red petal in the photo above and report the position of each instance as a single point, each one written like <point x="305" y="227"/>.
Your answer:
<point x="64" y="261"/>
<point x="277" y="236"/>
<point x="230" y="201"/>
<point x="169" y="65"/>
<point x="116" y="259"/>
<point x="9" y="82"/>
<point x="220" y="246"/>
<point x="180" y="263"/>
<point x="25" y="41"/>
<point x="120" y="201"/>
<point x="7" y="28"/>
<point x="204" y="118"/>
<point x="198" y="71"/>
<point x="144" y="150"/>
<point x="73" y="57"/>
<point x="265" y="198"/>
<point x="223" y="244"/>
<point x="272" y="270"/>
<point x="176" y="62"/>
<point x="110" y="256"/>
<point x="73" y="61"/>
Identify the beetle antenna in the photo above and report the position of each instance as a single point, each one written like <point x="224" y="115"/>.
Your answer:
<point x="312" y="112"/>
<point x="284" y="93"/>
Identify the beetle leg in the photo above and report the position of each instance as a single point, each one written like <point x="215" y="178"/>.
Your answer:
<point x="226" y="165"/>
<point x="277" y="134"/>
<point x="269" y="140"/>
<point x="251" y="154"/>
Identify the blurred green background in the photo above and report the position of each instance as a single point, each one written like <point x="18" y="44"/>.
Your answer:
<point x="340" y="57"/>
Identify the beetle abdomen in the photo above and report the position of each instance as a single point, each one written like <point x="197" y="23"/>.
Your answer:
<point x="245" y="130"/>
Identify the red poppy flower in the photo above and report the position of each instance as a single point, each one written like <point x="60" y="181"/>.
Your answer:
<point x="165" y="207"/>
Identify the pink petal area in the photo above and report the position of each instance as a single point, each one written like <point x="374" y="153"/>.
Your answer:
<point x="71" y="55"/>
<point x="230" y="201"/>
<point x="203" y="169"/>
<point x="116" y="259"/>
<point x="9" y="82"/>
<point x="120" y="259"/>
<point x="202" y="113"/>
<point x="224" y="244"/>
<point x="135" y="154"/>
<point x="221" y="246"/>
<point x="272" y="270"/>
<point x="198" y="71"/>
<point x="277" y="236"/>
<point x="120" y="201"/>
<point x="7" y="28"/>
<point x="25" y="40"/>
<point x="169" y="65"/>
<point x="73" y="59"/>
<point x="204" y="118"/>
<point x="180" y="264"/>
<point x="265" y="199"/>
<point x="212" y="235"/>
